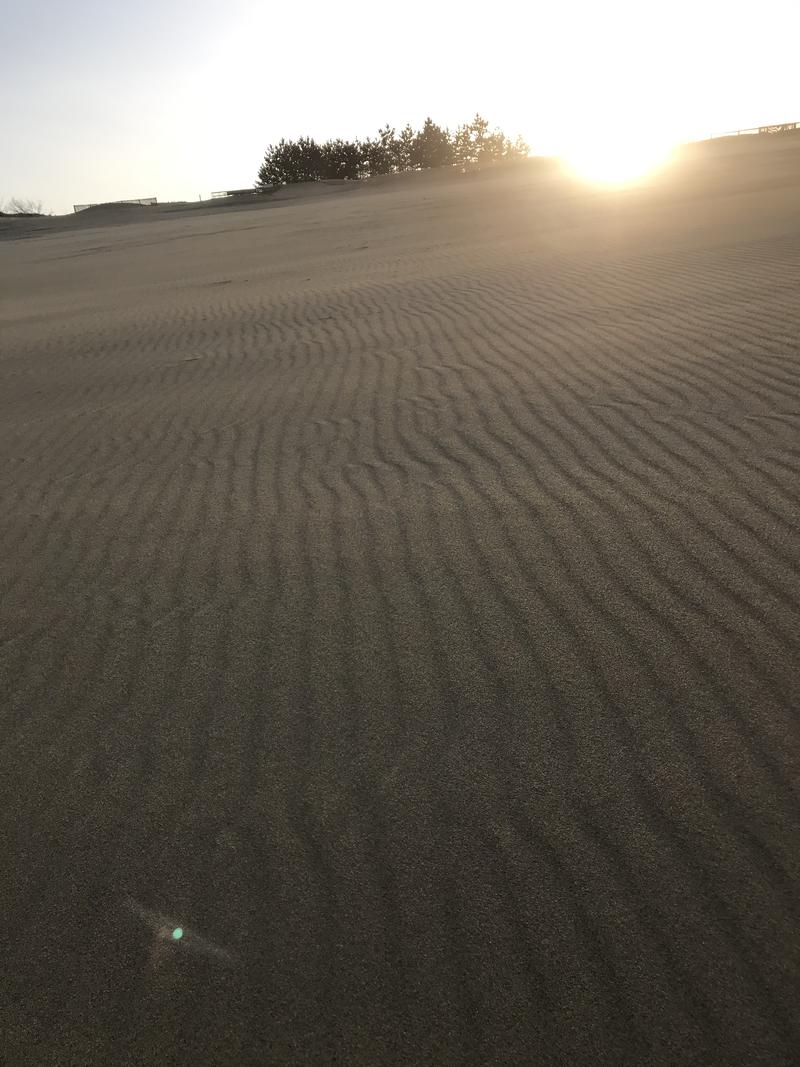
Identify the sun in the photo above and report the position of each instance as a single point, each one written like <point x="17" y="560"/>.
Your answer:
<point x="611" y="158"/>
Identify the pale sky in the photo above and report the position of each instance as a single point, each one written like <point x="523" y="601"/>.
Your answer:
<point x="175" y="98"/>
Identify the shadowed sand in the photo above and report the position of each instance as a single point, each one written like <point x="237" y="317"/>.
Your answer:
<point x="400" y="597"/>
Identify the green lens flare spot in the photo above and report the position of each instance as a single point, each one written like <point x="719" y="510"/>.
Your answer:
<point x="177" y="933"/>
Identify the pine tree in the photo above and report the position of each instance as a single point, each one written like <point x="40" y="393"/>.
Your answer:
<point x="432" y="146"/>
<point x="404" y="148"/>
<point x="305" y="160"/>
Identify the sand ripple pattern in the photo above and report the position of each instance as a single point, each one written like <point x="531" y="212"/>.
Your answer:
<point x="424" y="633"/>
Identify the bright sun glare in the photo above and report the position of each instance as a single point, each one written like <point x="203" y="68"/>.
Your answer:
<point x="616" y="160"/>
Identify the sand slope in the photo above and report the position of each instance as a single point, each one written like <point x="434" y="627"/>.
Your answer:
<point x="400" y="592"/>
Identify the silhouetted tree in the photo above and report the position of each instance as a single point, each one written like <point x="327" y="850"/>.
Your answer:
<point x="341" y="159"/>
<point x="291" y="161"/>
<point x="305" y="160"/>
<point x="380" y="155"/>
<point x="403" y="148"/>
<point x="431" y="147"/>
<point x="462" y="146"/>
<point x="473" y="144"/>
<point x="493" y="147"/>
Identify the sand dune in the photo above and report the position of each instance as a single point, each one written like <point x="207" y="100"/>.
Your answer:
<point x="401" y="594"/>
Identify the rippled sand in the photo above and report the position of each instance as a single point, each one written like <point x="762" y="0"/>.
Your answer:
<point x="400" y="596"/>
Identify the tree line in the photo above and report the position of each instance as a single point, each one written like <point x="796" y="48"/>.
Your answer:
<point x="390" y="152"/>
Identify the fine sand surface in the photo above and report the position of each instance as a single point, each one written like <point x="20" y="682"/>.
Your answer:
<point x="400" y="593"/>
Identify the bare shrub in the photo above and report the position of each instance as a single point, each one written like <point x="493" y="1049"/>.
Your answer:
<point x="23" y="206"/>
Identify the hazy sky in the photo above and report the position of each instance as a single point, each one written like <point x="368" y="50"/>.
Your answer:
<point x="174" y="98"/>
